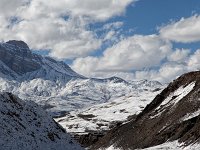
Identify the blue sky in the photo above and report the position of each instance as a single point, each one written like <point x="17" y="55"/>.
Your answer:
<point x="159" y="12"/>
<point x="132" y="39"/>
<point x="146" y="15"/>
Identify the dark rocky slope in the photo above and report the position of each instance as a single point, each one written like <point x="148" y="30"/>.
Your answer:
<point x="174" y="114"/>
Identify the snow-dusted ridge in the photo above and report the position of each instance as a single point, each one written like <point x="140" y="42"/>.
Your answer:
<point x="175" y="145"/>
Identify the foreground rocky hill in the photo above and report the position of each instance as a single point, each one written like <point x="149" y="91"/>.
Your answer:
<point x="170" y="121"/>
<point x="26" y="126"/>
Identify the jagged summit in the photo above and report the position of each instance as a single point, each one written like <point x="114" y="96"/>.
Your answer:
<point x="19" y="44"/>
<point x="18" y="58"/>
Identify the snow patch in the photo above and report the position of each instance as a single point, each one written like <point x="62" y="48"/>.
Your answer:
<point x="175" y="145"/>
<point x="112" y="148"/>
<point x="190" y="115"/>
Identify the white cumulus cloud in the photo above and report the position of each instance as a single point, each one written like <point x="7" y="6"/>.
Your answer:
<point x="61" y="27"/>
<point x="132" y="53"/>
<point x="194" y="61"/>
<point x="99" y="10"/>
<point x="185" y="30"/>
<point x="179" y="55"/>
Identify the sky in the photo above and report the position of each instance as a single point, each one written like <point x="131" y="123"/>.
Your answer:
<point x="131" y="39"/>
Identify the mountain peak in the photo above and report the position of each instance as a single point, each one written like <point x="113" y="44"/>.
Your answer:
<point x="20" y="44"/>
<point x="17" y="57"/>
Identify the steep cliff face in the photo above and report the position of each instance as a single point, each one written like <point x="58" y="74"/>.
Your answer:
<point x="173" y="116"/>
<point x="26" y="126"/>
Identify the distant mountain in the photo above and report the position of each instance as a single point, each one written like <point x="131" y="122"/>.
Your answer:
<point x="26" y="126"/>
<point x="53" y="84"/>
<point x="19" y="63"/>
<point x="170" y="121"/>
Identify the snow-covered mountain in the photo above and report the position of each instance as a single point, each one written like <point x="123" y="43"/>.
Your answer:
<point x="170" y="121"/>
<point x="88" y="108"/>
<point x="26" y="126"/>
<point x="53" y="84"/>
<point x="81" y="105"/>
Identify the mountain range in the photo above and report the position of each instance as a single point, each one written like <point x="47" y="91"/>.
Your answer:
<point x="109" y="113"/>
<point x="53" y="84"/>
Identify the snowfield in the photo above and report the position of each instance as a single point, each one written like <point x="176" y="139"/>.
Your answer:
<point x="61" y="98"/>
<point x="100" y="117"/>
